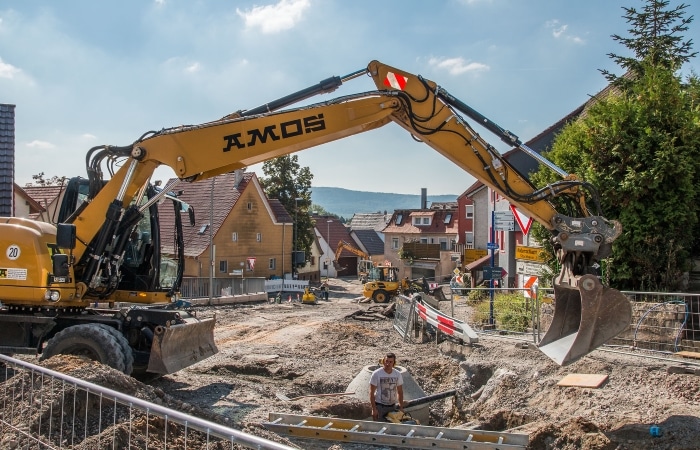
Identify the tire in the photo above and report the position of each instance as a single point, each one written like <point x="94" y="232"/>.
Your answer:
<point x="380" y="296"/>
<point x="124" y="344"/>
<point x="90" y="340"/>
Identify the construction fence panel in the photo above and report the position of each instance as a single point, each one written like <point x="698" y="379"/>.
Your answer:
<point x="45" y="409"/>
<point x="663" y="322"/>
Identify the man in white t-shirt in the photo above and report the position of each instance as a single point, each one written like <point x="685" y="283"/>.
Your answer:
<point x="386" y="388"/>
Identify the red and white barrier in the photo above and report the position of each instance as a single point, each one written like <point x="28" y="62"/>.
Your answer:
<point x="446" y="324"/>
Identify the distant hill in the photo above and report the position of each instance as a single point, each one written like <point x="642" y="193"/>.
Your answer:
<point x="345" y="202"/>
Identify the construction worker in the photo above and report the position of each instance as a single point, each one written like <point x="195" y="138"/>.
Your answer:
<point x="324" y="290"/>
<point x="386" y="389"/>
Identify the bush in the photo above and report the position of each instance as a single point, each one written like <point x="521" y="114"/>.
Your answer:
<point x="511" y="311"/>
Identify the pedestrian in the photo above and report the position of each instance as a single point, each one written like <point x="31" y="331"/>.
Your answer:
<point x="386" y="389"/>
<point x="324" y="290"/>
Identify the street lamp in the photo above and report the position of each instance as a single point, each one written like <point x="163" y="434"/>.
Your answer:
<point x="328" y="236"/>
<point x="294" y="253"/>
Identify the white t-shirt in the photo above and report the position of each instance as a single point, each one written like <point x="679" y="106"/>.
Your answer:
<point x="386" y="383"/>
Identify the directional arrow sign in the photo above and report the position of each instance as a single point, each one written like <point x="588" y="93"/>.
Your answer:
<point x="524" y="222"/>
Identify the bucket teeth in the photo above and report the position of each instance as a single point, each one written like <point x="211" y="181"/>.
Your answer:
<point x="585" y="317"/>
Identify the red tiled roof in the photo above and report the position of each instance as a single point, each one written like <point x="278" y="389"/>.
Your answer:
<point x="43" y="195"/>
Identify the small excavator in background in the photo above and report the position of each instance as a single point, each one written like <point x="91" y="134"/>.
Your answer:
<point x="364" y="265"/>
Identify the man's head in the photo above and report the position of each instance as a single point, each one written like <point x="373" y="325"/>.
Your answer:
<point x="389" y="361"/>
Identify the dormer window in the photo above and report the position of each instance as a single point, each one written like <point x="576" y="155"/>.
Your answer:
<point x="203" y="229"/>
<point x="421" y="221"/>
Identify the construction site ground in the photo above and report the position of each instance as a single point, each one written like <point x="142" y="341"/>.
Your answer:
<point x="299" y="349"/>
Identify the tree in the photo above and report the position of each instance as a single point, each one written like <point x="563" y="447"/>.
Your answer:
<point x="286" y="181"/>
<point x="640" y="146"/>
<point x="40" y="180"/>
<point x="656" y="40"/>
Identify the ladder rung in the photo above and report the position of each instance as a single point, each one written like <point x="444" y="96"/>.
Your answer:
<point x="469" y="439"/>
<point x="439" y="436"/>
<point x="410" y="433"/>
<point x="327" y="426"/>
<point x="500" y="439"/>
<point x="301" y="424"/>
<point x="278" y="420"/>
<point x="382" y="430"/>
<point x="355" y="428"/>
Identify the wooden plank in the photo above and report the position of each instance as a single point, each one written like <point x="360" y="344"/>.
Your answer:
<point x="687" y="354"/>
<point x="583" y="380"/>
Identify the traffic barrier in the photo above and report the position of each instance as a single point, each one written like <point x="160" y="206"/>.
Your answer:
<point x="446" y="324"/>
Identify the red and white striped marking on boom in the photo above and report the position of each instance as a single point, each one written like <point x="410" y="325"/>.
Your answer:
<point x="395" y="81"/>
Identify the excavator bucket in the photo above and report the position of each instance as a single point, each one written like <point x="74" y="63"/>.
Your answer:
<point x="179" y="346"/>
<point x="585" y="317"/>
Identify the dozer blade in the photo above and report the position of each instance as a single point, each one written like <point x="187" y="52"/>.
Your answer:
<point x="584" y="319"/>
<point x="179" y="346"/>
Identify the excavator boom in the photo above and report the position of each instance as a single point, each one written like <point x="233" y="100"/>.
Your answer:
<point x="100" y="226"/>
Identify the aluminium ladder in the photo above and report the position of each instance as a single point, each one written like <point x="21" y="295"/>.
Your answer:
<point x="392" y="434"/>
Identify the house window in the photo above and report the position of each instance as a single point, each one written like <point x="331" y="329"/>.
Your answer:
<point x="234" y="236"/>
<point x="250" y="206"/>
<point x="470" y="211"/>
<point x="399" y="219"/>
<point x="416" y="221"/>
<point x="273" y="264"/>
<point x="223" y="266"/>
<point x="394" y="243"/>
<point x="448" y="218"/>
<point x="469" y="237"/>
<point x="443" y="243"/>
<point x="423" y="240"/>
<point x="203" y="229"/>
<point x="258" y="237"/>
<point x="426" y="220"/>
<point x="313" y="261"/>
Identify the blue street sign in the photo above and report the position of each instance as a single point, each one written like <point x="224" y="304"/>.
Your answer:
<point x="492" y="246"/>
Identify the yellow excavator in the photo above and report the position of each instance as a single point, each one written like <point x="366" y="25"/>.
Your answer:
<point x="106" y="246"/>
<point x="364" y="265"/>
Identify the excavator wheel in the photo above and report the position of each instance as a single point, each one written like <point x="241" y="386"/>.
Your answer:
<point x="126" y="348"/>
<point x="380" y="296"/>
<point x="90" y="340"/>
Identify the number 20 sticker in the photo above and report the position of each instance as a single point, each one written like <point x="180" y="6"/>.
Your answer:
<point x="13" y="252"/>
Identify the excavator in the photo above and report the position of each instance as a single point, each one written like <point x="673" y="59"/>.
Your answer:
<point x="364" y="265"/>
<point x="106" y="247"/>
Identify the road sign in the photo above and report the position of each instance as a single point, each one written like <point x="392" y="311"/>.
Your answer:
<point x="503" y="221"/>
<point x="524" y="221"/>
<point x="494" y="273"/>
<point x="527" y="268"/>
<point x="472" y="254"/>
<point x="528" y="253"/>
<point x="492" y="246"/>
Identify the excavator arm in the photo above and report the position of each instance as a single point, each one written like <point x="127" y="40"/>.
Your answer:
<point x="587" y="313"/>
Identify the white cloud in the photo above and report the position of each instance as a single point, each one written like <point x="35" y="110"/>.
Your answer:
<point x="89" y="137"/>
<point x="457" y="66"/>
<point x="40" y="144"/>
<point x="8" y="70"/>
<point x="275" y="18"/>
<point x="192" y="68"/>
<point x="559" y="31"/>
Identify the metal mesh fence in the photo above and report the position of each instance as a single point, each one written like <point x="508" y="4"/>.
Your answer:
<point x="44" y="409"/>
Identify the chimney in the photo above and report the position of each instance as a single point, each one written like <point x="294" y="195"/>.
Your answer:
<point x="423" y="198"/>
<point x="238" y="177"/>
<point x="7" y="159"/>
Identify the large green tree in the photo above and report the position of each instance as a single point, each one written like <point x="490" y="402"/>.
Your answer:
<point x="640" y="145"/>
<point x="290" y="183"/>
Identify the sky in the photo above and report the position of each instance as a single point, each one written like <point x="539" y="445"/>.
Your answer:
<point x="84" y="73"/>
